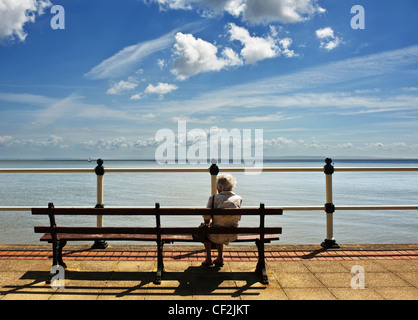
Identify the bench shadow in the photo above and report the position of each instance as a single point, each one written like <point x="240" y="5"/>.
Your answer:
<point x="195" y="280"/>
<point x="202" y="280"/>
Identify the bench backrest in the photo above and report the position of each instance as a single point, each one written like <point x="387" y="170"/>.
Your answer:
<point x="157" y="210"/>
<point x="51" y="211"/>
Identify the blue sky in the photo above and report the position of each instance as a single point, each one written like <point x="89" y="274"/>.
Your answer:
<point x="122" y="70"/>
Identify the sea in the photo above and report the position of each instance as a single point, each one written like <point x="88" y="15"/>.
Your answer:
<point x="274" y="189"/>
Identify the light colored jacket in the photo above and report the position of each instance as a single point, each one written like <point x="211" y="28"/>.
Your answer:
<point x="225" y="199"/>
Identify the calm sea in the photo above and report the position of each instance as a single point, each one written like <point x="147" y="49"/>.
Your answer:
<point x="193" y="189"/>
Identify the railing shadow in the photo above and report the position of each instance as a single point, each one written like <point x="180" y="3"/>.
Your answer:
<point x="313" y="254"/>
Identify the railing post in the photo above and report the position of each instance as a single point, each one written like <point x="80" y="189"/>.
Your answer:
<point x="329" y="241"/>
<point x="160" y="244"/>
<point x="99" y="244"/>
<point x="214" y="170"/>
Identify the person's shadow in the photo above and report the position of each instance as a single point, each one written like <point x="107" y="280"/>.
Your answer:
<point x="202" y="280"/>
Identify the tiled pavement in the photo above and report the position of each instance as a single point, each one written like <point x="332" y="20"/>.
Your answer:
<point x="295" y="273"/>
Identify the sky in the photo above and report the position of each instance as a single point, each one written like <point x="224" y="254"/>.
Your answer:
<point x="102" y="78"/>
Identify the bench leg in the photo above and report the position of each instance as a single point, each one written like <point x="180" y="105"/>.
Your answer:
<point x="61" y="245"/>
<point x="57" y="246"/>
<point x="50" y="276"/>
<point x="160" y="263"/>
<point x="261" y="264"/>
<point x="54" y="258"/>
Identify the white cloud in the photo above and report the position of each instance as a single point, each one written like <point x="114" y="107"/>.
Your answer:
<point x="296" y="88"/>
<point x="359" y="148"/>
<point x="5" y="140"/>
<point x="255" y="48"/>
<point x="174" y="4"/>
<point x="283" y="11"/>
<point x="254" y="11"/>
<point x="286" y="43"/>
<point x="231" y="58"/>
<point x="121" y="86"/>
<point x="14" y="14"/>
<point x="128" y="59"/>
<point x="32" y="99"/>
<point x="58" y="109"/>
<point x="136" y="96"/>
<point x="119" y="143"/>
<point x="161" y="88"/>
<point x="149" y="116"/>
<point x="279" y="143"/>
<point x="410" y="89"/>
<point x="208" y="120"/>
<point x="48" y="142"/>
<point x="329" y="40"/>
<point x="324" y="33"/>
<point x="271" y="117"/>
<point x="161" y="63"/>
<point x="194" y="56"/>
<point x="234" y="7"/>
<point x="205" y="7"/>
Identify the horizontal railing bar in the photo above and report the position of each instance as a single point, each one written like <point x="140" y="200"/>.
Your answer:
<point x="284" y="208"/>
<point x="162" y="170"/>
<point x="47" y="170"/>
<point x="162" y="211"/>
<point x="371" y="169"/>
<point x="271" y="169"/>
<point x="382" y="207"/>
<point x="155" y="170"/>
<point x="350" y="208"/>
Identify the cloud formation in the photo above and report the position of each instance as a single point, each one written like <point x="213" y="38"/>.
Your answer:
<point x="284" y="11"/>
<point x="128" y="59"/>
<point x="122" y="86"/>
<point x="255" y="48"/>
<point x="194" y="56"/>
<point x="292" y="89"/>
<point x="161" y="88"/>
<point x="254" y="11"/>
<point x="328" y="39"/>
<point x="14" y="14"/>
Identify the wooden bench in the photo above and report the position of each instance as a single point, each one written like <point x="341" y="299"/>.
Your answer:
<point x="59" y="236"/>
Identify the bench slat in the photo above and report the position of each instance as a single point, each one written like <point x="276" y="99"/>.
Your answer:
<point x="153" y="211"/>
<point x="152" y="230"/>
<point x="149" y="237"/>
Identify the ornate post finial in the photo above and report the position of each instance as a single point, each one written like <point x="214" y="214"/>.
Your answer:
<point x="99" y="169"/>
<point x="328" y="168"/>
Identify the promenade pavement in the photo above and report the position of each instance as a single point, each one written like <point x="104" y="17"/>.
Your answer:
<point x="352" y="272"/>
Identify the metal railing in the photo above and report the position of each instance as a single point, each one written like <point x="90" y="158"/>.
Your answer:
<point x="328" y="169"/>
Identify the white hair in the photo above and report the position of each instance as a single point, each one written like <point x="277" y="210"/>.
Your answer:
<point x="227" y="181"/>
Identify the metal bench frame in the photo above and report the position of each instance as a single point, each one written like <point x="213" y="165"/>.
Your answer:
<point x="59" y="236"/>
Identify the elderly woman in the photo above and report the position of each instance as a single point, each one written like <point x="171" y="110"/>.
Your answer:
<point x="224" y="199"/>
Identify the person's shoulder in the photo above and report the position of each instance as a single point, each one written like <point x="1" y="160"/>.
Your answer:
<point x="237" y="196"/>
